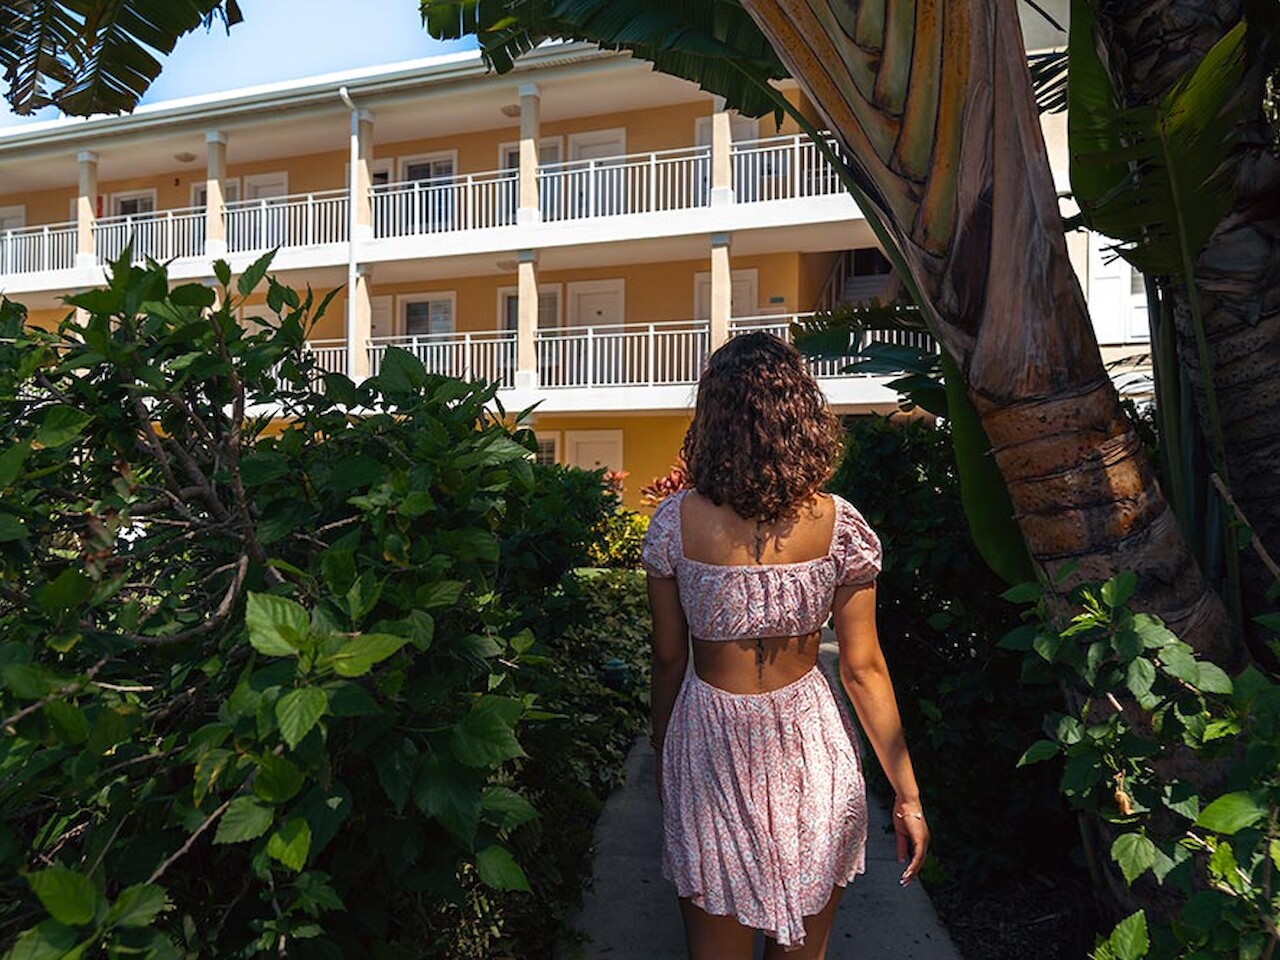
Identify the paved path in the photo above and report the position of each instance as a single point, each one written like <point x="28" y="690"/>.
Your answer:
<point x="630" y="911"/>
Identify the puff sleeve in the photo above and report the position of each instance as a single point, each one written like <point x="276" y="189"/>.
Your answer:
<point x="661" y="546"/>
<point x="857" y="548"/>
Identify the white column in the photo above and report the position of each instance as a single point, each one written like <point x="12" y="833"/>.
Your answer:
<point x="359" y="325"/>
<point x="530" y="131"/>
<point x="721" y="289"/>
<point x="86" y="209"/>
<point x="527" y="320"/>
<point x="721" y="164"/>
<point x="363" y="199"/>
<point x="215" y="192"/>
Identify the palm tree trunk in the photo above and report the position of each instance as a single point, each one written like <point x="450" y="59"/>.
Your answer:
<point x="1150" y="46"/>
<point x="933" y="102"/>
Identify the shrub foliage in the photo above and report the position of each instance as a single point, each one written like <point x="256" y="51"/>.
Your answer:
<point x="268" y="637"/>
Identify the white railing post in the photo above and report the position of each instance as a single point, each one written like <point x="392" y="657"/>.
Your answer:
<point x="653" y="346"/>
<point x="591" y="188"/>
<point x="45" y="260"/>
<point x="466" y="356"/>
<point x="795" y="155"/>
<point x="311" y="219"/>
<point x="591" y="358"/>
<point x="653" y="183"/>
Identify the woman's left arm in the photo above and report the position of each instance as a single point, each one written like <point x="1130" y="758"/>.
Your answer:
<point x="670" y="649"/>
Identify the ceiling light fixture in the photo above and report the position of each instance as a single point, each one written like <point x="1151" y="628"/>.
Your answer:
<point x="186" y="156"/>
<point x="510" y="110"/>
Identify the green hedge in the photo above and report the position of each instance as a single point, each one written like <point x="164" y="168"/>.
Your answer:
<point x="285" y="660"/>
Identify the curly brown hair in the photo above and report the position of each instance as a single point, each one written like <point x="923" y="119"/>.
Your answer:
<point x="762" y="438"/>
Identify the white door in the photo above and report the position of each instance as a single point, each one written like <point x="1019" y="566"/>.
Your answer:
<point x="1117" y="295"/>
<point x="593" y="449"/>
<point x="597" y="187"/>
<point x="596" y="303"/>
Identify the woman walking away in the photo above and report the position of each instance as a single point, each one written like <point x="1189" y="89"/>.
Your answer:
<point x="764" y="803"/>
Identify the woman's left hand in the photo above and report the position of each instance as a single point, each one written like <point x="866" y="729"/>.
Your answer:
<point x="913" y="837"/>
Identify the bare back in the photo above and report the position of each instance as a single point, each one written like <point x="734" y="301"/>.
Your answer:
<point x="716" y="535"/>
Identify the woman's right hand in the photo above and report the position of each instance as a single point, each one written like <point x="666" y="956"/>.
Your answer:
<point x="913" y="836"/>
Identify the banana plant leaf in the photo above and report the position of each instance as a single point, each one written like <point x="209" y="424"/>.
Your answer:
<point x="94" y="56"/>
<point x="1153" y="176"/>
<point x="714" y="44"/>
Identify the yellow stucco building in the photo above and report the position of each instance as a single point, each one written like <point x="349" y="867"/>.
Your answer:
<point x="583" y="230"/>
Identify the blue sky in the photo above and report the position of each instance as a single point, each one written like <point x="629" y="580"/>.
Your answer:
<point x="284" y="40"/>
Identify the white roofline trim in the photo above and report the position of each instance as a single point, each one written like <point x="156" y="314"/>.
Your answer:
<point x="292" y="94"/>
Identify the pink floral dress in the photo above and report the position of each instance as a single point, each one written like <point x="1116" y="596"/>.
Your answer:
<point x="764" y="803"/>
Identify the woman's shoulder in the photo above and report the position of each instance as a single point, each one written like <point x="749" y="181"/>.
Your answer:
<point x="855" y="545"/>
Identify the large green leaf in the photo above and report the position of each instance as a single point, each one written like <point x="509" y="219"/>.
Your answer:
<point x="298" y="711"/>
<point x="69" y="896"/>
<point x="98" y="56"/>
<point x="714" y="44"/>
<point x="1153" y="177"/>
<point x="1231" y="813"/>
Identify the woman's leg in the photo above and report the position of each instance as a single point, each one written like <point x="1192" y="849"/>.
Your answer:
<point x="715" y="938"/>
<point x="817" y="931"/>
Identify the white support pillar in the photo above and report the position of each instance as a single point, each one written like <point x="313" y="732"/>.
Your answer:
<point x="359" y="325"/>
<point x="363" y="198"/>
<point x="215" y="193"/>
<point x="721" y="289"/>
<point x="528" y="210"/>
<point x="86" y="209"/>
<point x="721" y="156"/>
<point x="527" y="320"/>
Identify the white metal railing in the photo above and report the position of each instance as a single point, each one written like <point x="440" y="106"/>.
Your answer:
<point x="300" y="220"/>
<point x="780" y="326"/>
<point x="471" y="201"/>
<point x="160" y="235"/>
<point x="781" y="168"/>
<point x="50" y="246"/>
<point x="479" y="355"/>
<point x="677" y="179"/>
<point x="648" y="354"/>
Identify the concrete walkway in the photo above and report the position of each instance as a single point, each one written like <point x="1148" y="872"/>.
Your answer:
<point x="630" y="912"/>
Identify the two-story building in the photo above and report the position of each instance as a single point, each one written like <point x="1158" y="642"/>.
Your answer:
<point x="583" y="230"/>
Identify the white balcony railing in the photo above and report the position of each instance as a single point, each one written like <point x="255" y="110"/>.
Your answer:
<point x="638" y="183"/>
<point x="481" y="355"/>
<point x="36" y="249"/>
<point x="301" y="220"/>
<point x="472" y="201"/>
<point x="650" y="354"/>
<point x="781" y="168"/>
<point x="160" y="235"/>
<point x="780" y="326"/>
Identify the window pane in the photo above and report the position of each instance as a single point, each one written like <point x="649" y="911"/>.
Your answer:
<point x="511" y="311"/>
<point x="546" y="451"/>
<point x="428" y="316"/>
<point x="1136" y="285"/>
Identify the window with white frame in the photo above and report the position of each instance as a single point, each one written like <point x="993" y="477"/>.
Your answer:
<point x="548" y="449"/>
<point x="133" y="203"/>
<point x="427" y="314"/>
<point x="11" y="218"/>
<point x="548" y="307"/>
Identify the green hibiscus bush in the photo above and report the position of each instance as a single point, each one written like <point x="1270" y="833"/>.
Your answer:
<point x="270" y="641"/>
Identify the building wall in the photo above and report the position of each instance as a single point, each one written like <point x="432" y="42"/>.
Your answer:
<point x="650" y="443"/>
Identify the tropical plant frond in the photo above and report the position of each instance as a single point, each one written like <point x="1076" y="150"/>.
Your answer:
<point x="94" y="56"/>
<point x="715" y="45"/>
<point x="1154" y="177"/>
<point x="1049" y="80"/>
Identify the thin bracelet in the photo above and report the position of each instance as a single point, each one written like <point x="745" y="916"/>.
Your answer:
<point x="903" y="816"/>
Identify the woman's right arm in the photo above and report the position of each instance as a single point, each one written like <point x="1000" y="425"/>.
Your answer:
<point x="865" y="676"/>
<point x="670" y="648"/>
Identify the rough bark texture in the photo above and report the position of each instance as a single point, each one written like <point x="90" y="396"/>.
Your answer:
<point x="933" y="101"/>
<point x="1149" y="45"/>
